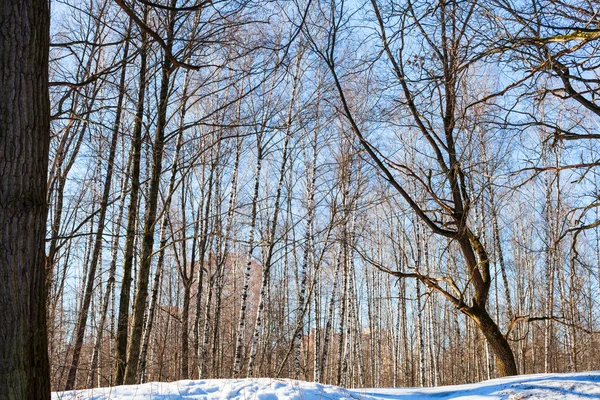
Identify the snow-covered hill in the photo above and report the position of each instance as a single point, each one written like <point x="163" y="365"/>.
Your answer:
<point x="543" y="386"/>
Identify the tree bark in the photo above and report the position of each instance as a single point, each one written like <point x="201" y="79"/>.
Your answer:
<point x="505" y="359"/>
<point x="203" y="266"/>
<point x="24" y="144"/>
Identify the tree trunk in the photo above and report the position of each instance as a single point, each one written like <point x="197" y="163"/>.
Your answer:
<point x="110" y="292"/>
<point x="505" y="359"/>
<point x="266" y="275"/>
<point x="202" y="263"/>
<point x="185" y="331"/>
<point x="132" y="215"/>
<point x="239" y="343"/>
<point x="139" y="307"/>
<point x="329" y="321"/>
<point x="163" y="235"/>
<point x="87" y="298"/>
<point x="225" y="253"/>
<point x="24" y="143"/>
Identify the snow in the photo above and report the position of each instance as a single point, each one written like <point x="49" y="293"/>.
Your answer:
<point x="585" y="385"/>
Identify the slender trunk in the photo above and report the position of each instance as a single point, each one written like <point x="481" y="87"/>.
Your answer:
<point x="185" y="329"/>
<point x="204" y="212"/>
<point x="206" y="331"/>
<point x="149" y="323"/>
<point x="225" y="253"/>
<point x="87" y="297"/>
<point x="187" y="276"/>
<point x="420" y="309"/>
<point x="358" y="349"/>
<point x="343" y="306"/>
<point x="110" y="285"/>
<point x="404" y="323"/>
<point x="317" y="333"/>
<point x="132" y="218"/>
<point x="308" y="253"/>
<point x="163" y="236"/>
<point x="329" y="322"/>
<point x="347" y="335"/>
<point x="571" y="331"/>
<point x="239" y="344"/>
<point x="266" y="276"/>
<point x="433" y="360"/>
<point x="297" y="340"/>
<point x="204" y="245"/>
<point x="500" y="254"/>
<point x="551" y="253"/>
<point x="139" y="307"/>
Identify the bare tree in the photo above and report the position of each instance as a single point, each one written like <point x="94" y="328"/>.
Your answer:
<point x="450" y="192"/>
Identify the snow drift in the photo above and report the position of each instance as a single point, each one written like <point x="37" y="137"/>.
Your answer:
<point x="542" y="386"/>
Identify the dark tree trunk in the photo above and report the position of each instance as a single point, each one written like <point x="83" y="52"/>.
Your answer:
<point x="24" y="143"/>
<point x="132" y="215"/>
<point x="98" y="242"/>
<point x="141" y="294"/>
<point x="202" y="265"/>
<point x="113" y="264"/>
<point x="505" y="359"/>
<point x="477" y="261"/>
<point x="185" y="331"/>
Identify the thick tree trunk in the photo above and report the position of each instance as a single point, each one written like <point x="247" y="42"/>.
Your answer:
<point x="505" y="359"/>
<point x="24" y="143"/>
<point x="477" y="261"/>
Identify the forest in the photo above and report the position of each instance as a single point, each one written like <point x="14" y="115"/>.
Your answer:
<point x="362" y="193"/>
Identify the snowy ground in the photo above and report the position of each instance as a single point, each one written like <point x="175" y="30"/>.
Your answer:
<point x="543" y="386"/>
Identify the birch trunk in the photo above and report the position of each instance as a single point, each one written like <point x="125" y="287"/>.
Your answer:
<point x="240" y="333"/>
